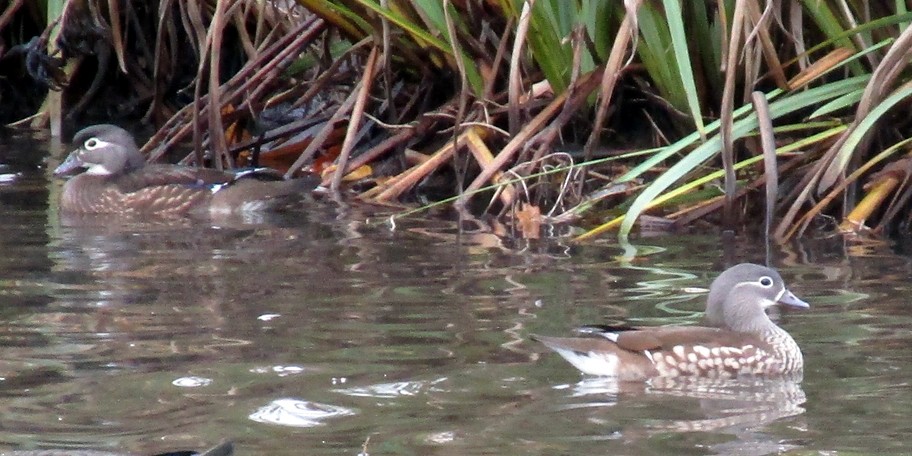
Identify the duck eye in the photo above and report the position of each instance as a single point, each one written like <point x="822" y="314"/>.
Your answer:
<point x="766" y="281"/>
<point x="91" y="143"/>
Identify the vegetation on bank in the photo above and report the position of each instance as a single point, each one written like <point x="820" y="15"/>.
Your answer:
<point x="599" y="113"/>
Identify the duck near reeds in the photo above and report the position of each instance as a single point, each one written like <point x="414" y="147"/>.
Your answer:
<point x="112" y="177"/>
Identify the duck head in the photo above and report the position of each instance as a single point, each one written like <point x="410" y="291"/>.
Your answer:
<point x="739" y="297"/>
<point x="103" y="150"/>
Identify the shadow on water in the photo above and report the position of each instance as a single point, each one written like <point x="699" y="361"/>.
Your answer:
<point x="316" y="333"/>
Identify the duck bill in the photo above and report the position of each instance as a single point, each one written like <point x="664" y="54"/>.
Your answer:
<point x="70" y="166"/>
<point x="789" y="299"/>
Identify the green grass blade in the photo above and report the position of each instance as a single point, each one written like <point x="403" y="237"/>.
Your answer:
<point x="848" y="100"/>
<point x="682" y="57"/>
<point x="839" y="163"/>
<point x="740" y="128"/>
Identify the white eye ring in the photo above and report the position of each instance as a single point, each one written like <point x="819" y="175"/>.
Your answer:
<point x="765" y="281"/>
<point x="92" y="144"/>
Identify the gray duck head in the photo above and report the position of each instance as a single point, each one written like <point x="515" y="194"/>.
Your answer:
<point x="104" y="150"/>
<point x="739" y="297"/>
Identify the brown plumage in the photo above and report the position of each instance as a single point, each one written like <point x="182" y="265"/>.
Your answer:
<point x="116" y="179"/>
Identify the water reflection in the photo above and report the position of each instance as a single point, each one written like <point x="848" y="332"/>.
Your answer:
<point x="387" y="337"/>
<point x="395" y="389"/>
<point x="298" y="413"/>
<point x="744" y="406"/>
<point x="341" y="337"/>
<point x="192" y="382"/>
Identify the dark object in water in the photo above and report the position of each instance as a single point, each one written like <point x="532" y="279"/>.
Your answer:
<point x="222" y="449"/>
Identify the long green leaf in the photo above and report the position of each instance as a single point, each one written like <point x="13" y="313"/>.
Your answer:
<point x="845" y="101"/>
<point x="681" y="145"/>
<point x="682" y="56"/>
<point x="742" y="127"/>
<point x="839" y="163"/>
<point x="654" y="50"/>
<point x="472" y="74"/>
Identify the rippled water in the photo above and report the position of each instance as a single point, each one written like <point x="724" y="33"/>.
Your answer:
<point x="317" y="333"/>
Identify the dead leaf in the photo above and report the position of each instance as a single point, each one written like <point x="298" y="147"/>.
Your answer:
<point x="528" y="219"/>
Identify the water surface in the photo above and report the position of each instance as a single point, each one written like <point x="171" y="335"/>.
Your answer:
<point x="318" y="333"/>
